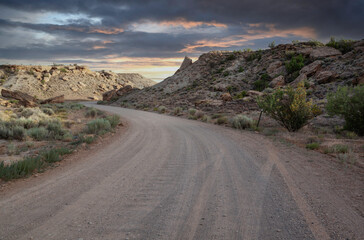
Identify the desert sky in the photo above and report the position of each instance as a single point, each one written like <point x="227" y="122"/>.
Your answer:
<point x="152" y="37"/>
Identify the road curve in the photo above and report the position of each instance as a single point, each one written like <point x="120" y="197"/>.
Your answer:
<point x="164" y="178"/>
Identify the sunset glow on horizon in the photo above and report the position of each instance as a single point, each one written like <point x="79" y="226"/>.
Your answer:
<point x="152" y="38"/>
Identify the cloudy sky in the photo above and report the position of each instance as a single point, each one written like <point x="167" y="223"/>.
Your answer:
<point x="153" y="36"/>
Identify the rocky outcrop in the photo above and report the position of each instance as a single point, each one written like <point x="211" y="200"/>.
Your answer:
<point x="124" y="90"/>
<point x="207" y="80"/>
<point x="24" y="99"/>
<point x="58" y="99"/>
<point x="72" y="81"/>
<point x="186" y="63"/>
<point x="107" y="96"/>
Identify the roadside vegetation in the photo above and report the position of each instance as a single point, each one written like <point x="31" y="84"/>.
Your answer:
<point x="33" y="139"/>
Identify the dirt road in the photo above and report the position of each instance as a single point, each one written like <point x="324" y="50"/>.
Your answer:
<point x="172" y="178"/>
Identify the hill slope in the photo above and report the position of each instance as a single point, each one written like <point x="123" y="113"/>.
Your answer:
<point x="222" y="81"/>
<point x="75" y="82"/>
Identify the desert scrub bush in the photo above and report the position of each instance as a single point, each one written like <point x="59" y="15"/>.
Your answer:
<point x="348" y="102"/>
<point x="55" y="130"/>
<point x="98" y="126"/>
<point x="51" y="156"/>
<point x="21" y="168"/>
<point x="114" y="120"/>
<point x="162" y="109"/>
<point x="295" y="64"/>
<point x="199" y="114"/>
<point x="241" y="122"/>
<point x="289" y="107"/>
<point x="10" y="132"/>
<point x="206" y="118"/>
<point x="262" y="83"/>
<point x="38" y="133"/>
<point x="48" y="111"/>
<point x="91" y="112"/>
<point x="344" y="46"/>
<point x="240" y="95"/>
<point x="222" y="120"/>
<point x="63" y="70"/>
<point x="177" y="110"/>
<point x="313" y="146"/>
<point x="192" y="111"/>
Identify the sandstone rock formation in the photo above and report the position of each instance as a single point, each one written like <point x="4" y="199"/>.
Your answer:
<point x="72" y="81"/>
<point x="24" y="99"/>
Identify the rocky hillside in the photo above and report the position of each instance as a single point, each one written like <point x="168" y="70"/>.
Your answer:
<point x="228" y="81"/>
<point x="75" y="82"/>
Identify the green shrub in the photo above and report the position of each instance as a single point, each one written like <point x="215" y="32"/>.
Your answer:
<point x="339" y="148"/>
<point x="206" y="118"/>
<point x="39" y="133"/>
<point x="192" y="111"/>
<point x="222" y="120"/>
<point x="91" y="112"/>
<point x="114" y="120"/>
<point x="313" y="146"/>
<point x="344" y="46"/>
<point x="254" y="55"/>
<point x="295" y="64"/>
<point x="177" y="110"/>
<point x="48" y="111"/>
<point x="231" y="57"/>
<point x="241" y="69"/>
<point x="51" y="156"/>
<point x="272" y="44"/>
<point x="240" y="95"/>
<point x="348" y="102"/>
<point x="289" y="107"/>
<point x="260" y="85"/>
<point x="241" y="122"/>
<point x="11" y="131"/>
<point x="63" y="70"/>
<point x="20" y="169"/>
<point x="162" y="109"/>
<point x="98" y="126"/>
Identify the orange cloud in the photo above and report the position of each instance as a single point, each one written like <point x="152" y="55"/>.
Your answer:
<point x="98" y="47"/>
<point x="191" y="24"/>
<point x="253" y="34"/>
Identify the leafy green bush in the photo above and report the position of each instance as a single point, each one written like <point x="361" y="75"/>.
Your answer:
<point x="38" y="133"/>
<point x="20" y="169"/>
<point x="348" y="102"/>
<point x="114" y="120"/>
<point x="295" y="64"/>
<point x="289" y="107"/>
<point x="344" y="46"/>
<point x="254" y="55"/>
<point x="98" y="126"/>
<point x="241" y="122"/>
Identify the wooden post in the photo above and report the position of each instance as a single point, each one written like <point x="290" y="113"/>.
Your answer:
<point x="260" y="115"/>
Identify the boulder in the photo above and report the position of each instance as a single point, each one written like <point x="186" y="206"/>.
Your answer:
<point x="226" y="97"/>
<point x="107" y="96"/>
<point x="359" y="80"/>
<point x="24" y="99"/>
<point x="323" y="52"/>
<point x="253" y="93"/>
<point x="274" y="67"/>
<point x="58" y="99"/>
<point x="277" y="82"/>
<point x="300" y="78"/>
<point x="124" y="90"/>
<point x="312" y="68"/>
<point x="324" y="77"/>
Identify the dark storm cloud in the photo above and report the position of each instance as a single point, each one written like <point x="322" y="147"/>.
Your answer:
<point x="112" y="35"/>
